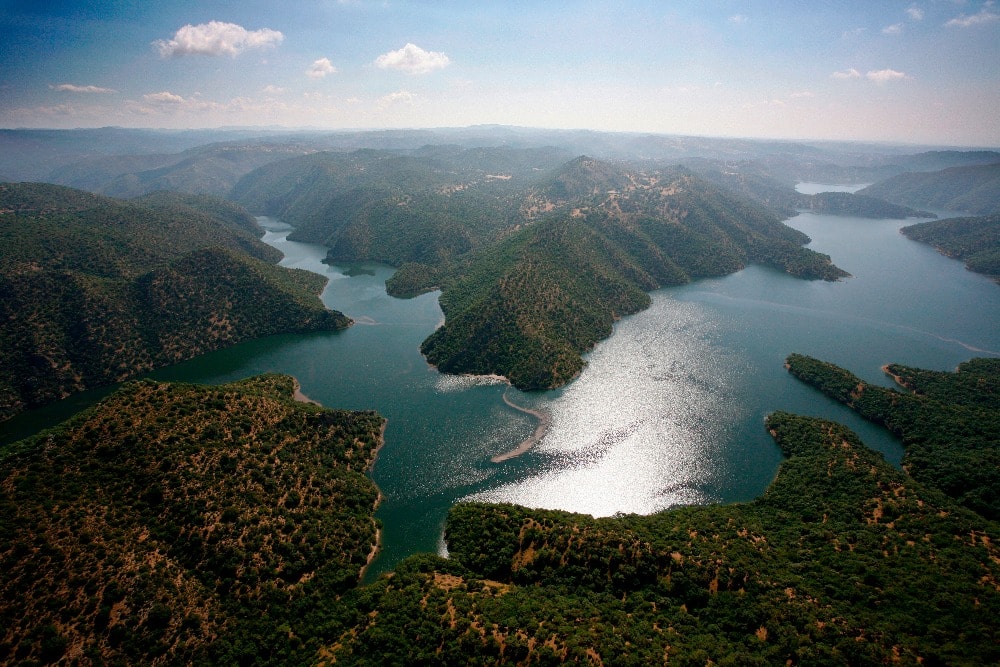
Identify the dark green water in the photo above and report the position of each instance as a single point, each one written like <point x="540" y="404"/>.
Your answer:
<point x="670" y="408"/>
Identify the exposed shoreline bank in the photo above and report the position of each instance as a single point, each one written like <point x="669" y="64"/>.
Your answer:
<point x="544" y="422"/>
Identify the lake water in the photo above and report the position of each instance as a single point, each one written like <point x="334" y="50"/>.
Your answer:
<point x="669" y="410"/>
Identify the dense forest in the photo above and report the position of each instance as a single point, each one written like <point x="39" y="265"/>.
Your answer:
<point x="970" y="189"/>
<point x="949" y="423"/>
<point x="174" y="524"/>
<point x="98" y="290"/>
<point x="976" y="241"/>
<point x="861" y="206"/>
<point x="844" y="560"/>
<point x="536" y="256"/>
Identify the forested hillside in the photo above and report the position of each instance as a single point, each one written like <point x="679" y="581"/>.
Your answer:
<point x="229" y="524"/>
<point x="844" y="560"/>
<point x="176" y="524"/>
<point x="213" y="169"/>
<point x="97" y="290"/>
<point x="536" y="255"/>
<point x="861" y="206"/>
<point x="596" y="238"/>
<point x="971" y="189"/>
<point x="976" y="241"/>
<point x="949" y="422"/>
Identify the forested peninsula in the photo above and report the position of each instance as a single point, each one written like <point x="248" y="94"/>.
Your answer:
<point x="949" y="423"/>
<point x="97" y="290"/>
<point x="536" y="255"/>
<point x="175" y="523"/>
<point x="974" y="240"/>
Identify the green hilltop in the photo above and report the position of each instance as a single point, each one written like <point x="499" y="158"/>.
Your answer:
<point x="536" y="255"/>
<point x="181" y="524"/>
<point x="218" y="525"/>
<point x="98" y="290"/>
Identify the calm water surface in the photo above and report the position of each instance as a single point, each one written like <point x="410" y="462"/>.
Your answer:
<point x="670" y="408"/>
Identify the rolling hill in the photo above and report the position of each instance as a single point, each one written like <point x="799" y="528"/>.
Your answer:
<point x="98" y="290"/>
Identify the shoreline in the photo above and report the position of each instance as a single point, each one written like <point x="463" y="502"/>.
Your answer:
<point x="377" y="546"/>
<point x="300" y="397"/>
<point x="544" y="422"/>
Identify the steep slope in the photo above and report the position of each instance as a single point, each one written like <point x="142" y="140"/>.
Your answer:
<point x="97" y="290"/>
<point x="972" y="189"/>
<point x="427" y="205"/>
<point x="949" y="422"/>
<point x="976" y="241"/>
<point x="527" y="307"/>
<point x="174" y="524"/>
<point x="843" y="560"/>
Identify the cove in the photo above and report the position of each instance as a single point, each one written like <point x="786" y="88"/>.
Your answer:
<point x="669" y="409"/>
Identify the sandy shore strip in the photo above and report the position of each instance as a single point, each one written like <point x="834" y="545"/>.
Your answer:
<point x="300" y="397"/>
<point x="544" y="421"/>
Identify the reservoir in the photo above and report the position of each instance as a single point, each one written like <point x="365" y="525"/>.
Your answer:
<point x="669" y="410"/>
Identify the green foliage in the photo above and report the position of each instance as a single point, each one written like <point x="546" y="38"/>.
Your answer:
<point x="844" y="560"/>
<point x="535" y="256"/>
<point x="949" y="422"/>
<point x="529" y="305"/>
<point x="972" y="189"/>
<point x="862" y="206"/>
<point x="974" y="240"/>
<point x="97" y="290"/>
<point x="185" y="524"/>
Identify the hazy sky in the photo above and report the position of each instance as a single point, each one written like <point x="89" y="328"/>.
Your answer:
<point x="916" y="72"/>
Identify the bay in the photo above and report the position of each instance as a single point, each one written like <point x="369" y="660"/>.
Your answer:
<point x="669" y="410"/>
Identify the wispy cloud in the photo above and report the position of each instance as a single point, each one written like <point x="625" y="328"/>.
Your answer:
<point x="885" y="75"/>
<point x="986" y="15"/>
<point x="894" y="29"/>
<point x="739" y="18"/>
<point x="915" y="13"/>
<point x="321" y="68"/>
<point x="847" y="74"/>
<point x="413" y="60"/>
<point x="272" y="90"/>
<point x="399" y="97"/>
<point x="216" y="38"/>
<point x="70" y="88"/>
<point x="165" y="101"/>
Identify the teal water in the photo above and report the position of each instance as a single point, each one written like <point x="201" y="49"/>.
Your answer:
<point x="669" y="409"/>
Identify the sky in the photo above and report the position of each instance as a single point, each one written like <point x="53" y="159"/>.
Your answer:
<point x="923" y="72"/>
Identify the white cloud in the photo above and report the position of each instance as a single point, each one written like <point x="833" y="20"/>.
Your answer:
<point x="163" y="98"/>
<point x="894" y="29"/>
<point x="216" y="38"/>
<point x="802" y="94"/>
<point x="413" y="60"/>
<point x="167" y="101"/>
<point x="915" y="13"/>
<point x="321" y="68"/>
<point x="738" y="18"/>
<point x="399" y="97"/>
<point x="883" y="75"/>
<point x="847" y="74"/>
<point x="70" y="88"/>
<point x="272" y="90"/>
<point x="985" y="15"/>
